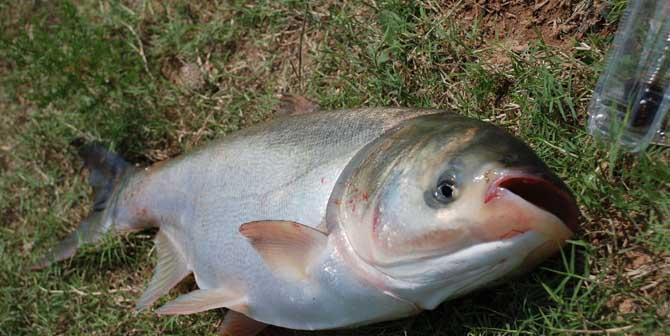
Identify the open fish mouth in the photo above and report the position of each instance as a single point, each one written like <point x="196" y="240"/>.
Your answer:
<point x="540" y="192"/>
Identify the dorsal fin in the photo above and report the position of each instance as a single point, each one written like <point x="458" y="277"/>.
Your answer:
<point x="295" y="105"/>
<point x="170" y="270"/>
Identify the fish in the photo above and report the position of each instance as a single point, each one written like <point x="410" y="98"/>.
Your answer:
<point x="333" y="219"/>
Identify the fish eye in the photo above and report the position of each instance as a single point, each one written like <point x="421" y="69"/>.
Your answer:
<point x="445" y="191"/>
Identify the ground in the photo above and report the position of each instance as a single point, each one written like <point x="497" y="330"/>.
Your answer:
<point x="152" y="79"/>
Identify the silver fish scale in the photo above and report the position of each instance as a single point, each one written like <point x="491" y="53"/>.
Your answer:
<point x="280" y="170"/>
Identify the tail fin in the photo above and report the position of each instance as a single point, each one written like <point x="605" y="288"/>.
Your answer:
<point x="106" y="170"/>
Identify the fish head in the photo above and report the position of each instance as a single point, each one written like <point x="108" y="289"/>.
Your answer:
<point x="444" y="204"/>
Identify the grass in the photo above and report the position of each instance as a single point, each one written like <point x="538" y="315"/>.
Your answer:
<point x="153" y="79"/>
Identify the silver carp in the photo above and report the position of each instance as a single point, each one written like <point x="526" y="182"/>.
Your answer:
<point x="334" y="219"/>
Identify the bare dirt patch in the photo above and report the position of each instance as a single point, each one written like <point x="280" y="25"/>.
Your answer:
<point x="559" y="23"/>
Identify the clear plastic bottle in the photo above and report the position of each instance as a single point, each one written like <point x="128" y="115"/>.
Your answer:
<point x="631" y="100"/>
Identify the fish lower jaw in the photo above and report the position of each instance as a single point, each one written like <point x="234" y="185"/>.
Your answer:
<point x="482" y="265"/>
<point x="508" y="215"/>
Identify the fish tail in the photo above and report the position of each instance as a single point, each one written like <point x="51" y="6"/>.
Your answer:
<point x="107" y="170"/>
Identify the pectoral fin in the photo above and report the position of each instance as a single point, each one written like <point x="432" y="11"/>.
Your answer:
<point x="237" y="324"/>
<point x="288" y="248"/>
<point x="204" y="299"/>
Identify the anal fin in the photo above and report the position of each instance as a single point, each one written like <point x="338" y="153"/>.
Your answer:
<point x="204" y="299"/>
<point x="238" y="324"/>
<point x="170" y="270"/>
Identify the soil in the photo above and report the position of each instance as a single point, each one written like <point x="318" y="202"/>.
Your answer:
<point x="559" y="23"/>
